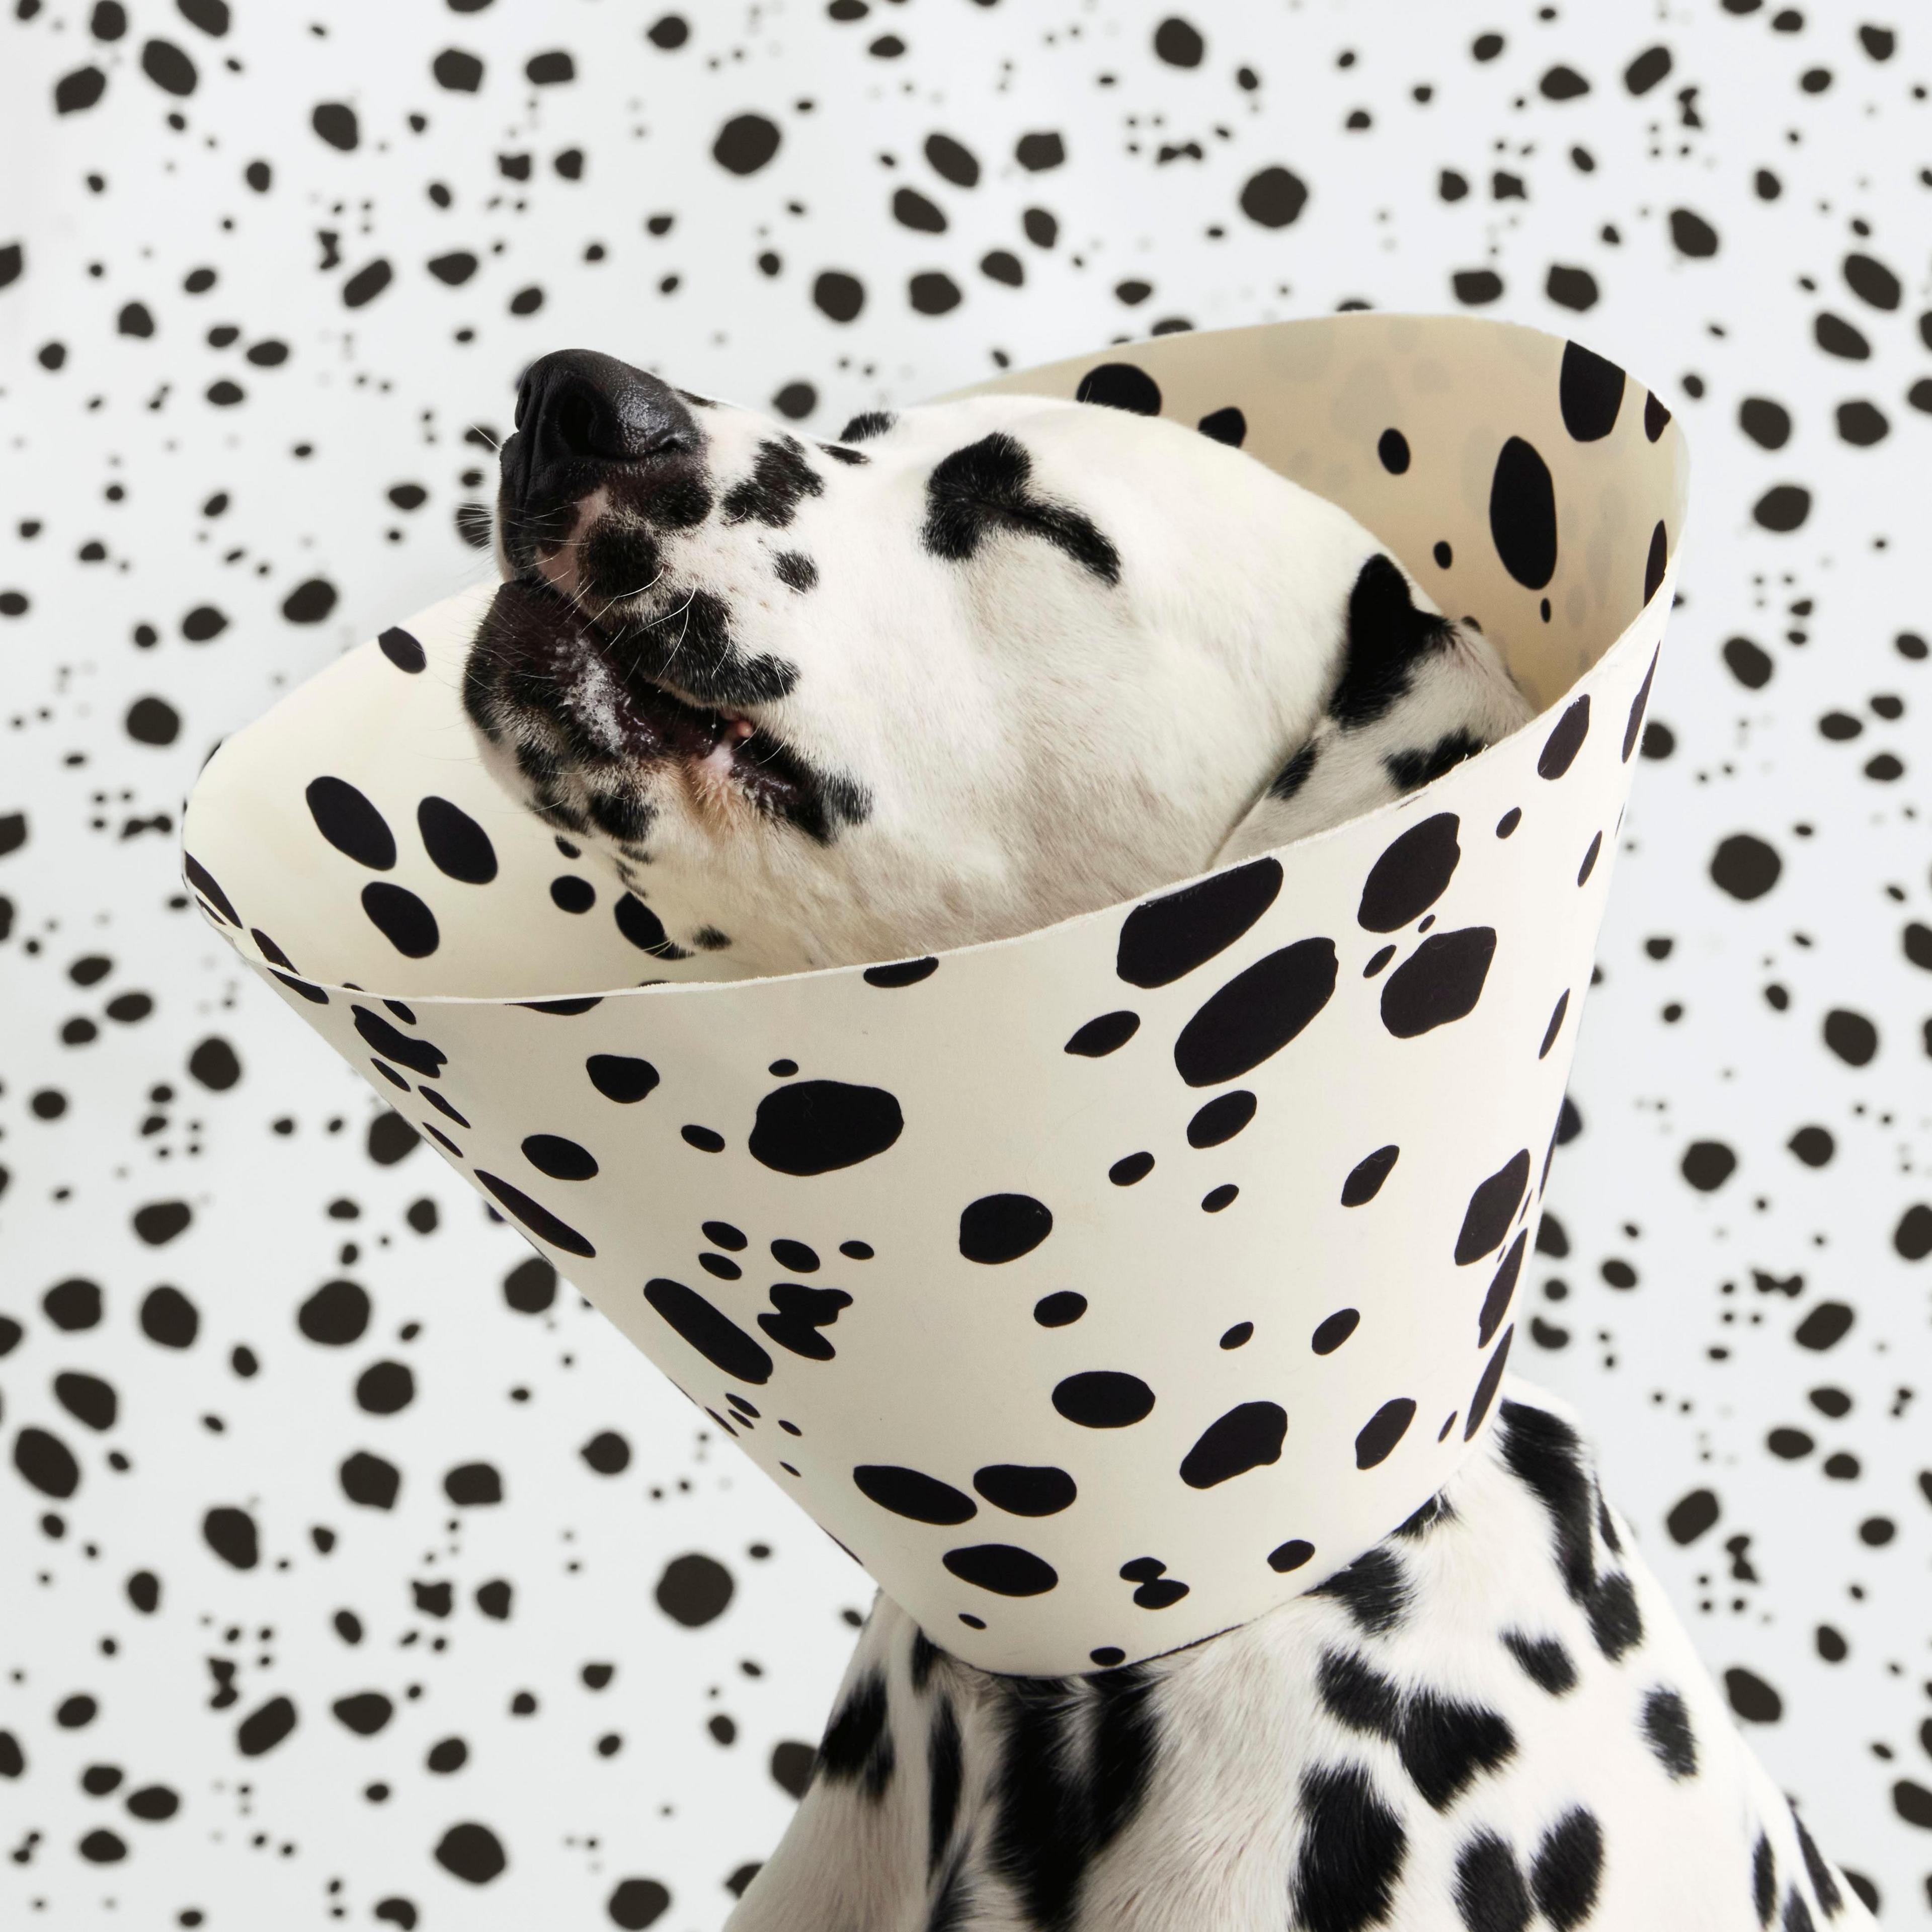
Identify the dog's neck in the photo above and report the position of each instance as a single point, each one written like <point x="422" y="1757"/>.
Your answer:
<point x="1378" y="1751"/>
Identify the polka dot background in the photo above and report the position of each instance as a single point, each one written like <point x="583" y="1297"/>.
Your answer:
<point x="365" y="1578"/>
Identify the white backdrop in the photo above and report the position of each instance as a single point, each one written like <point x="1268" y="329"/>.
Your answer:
<point x="318" y="1600"/>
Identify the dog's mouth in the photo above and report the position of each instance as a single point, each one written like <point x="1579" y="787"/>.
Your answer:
<point x="594" y="707"/>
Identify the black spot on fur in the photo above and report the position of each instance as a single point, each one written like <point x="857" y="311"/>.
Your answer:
<point x="1386" y="635"/>
<point x="1545" y="1661"/>
<point x="870" y="423"/>
<point x="1374" y="1588"/>
<point x="1764" y="1879"/>
<point x="1614" y="1620"/>
<point x="983" y="487"/>
<point x="1666" y="1730"/>
<point x="1411" y="768"/>
<point x="1490" y="1895"/>
<point x="1822" y="1883"/>
<point x="1296" y="772"/>
<point x="1352" y="1847"/>
<point x="924" y="1655"/>
<point x="1797" y="1914"/>
<point x="1054" y="1813"/>
<point x="1358" y="1697"/>
<point x="1446" y="1745"/>
<point x="795" y="570"/>
<point x="780" y="477"/>
<point x="1545" y="1454"/>
<point x="945" y="1769"/>
<point x="1568" y="1868"/>
<point x="857" y="1747"/>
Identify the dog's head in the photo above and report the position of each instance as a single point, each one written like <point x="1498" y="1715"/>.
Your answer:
<point x="971" y="668"/>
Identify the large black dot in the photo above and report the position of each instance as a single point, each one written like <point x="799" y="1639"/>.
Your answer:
<point x="404" y="651"/>
<point x="693" y="1590"/>
<point x="1256" y="1013"/>
<point x="562" y="1159"/>
<point x="744" y="144"/>
<point x="1119" y="385"/>
<point x="1057" y="1310"/>
<point x="1522" y="513"/>
<point x="540" y="1222"/>
<point x="471" y="1852"/>
<point x="335" y="1315"/>
<point x="1744" y="866"/>
<point x="902" y="972"/>
<point x="710" y="1330"/>
<point x="1378" y="1435"/>
<point x="1410" y="875"/>
<point x="1365" y="1177"/>
<point x="910" y="1493"/>
<point x="812" y="1126"/>
<point x="1103" y="1399"/>
<point x="1492" y="1208"/>
<point x="346" y="819"/>
<point x="1003" y="1227"/>
<point x="1002" y="1567"/>
<point x="1249" y="1435"/>
<point x="1291" y="1555"/>
<point x="1165" y="938"/>
<point x="459" y="846"/>
<point x="1440" y="981"/>
<point x="402" y="919"/>
<point x="1023" y="1489"/>
<point x="1590" y="392"/>
<point x="1273" y="196"/>
<point x="46" y="1462"/>
<point x="618" y="1077"/>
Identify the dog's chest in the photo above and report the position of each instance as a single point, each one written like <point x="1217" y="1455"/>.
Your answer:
<point x="1492" y="1722"/>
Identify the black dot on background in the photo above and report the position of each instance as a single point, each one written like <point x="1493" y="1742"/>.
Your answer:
<point x="1273" y="196"/>
<point x="169" y="1318"/>
<point x="706" y="1140"/>
<point x="815" y="1126"/>
<point x="1290" y="1555"/>
<point x="1509" y="821"/>
<point x="1216" y="1198"/>
<point x="1502" y="1290"/>
<point x="1108" y="1655"/>
<point x="1332" y="1330"/>
<point x="1365" y="1177"/>
<point x="472" y="1852"/>
<point x="350" y="822"/>
<point x="335" y="1315"/>
<point x="1656" y="562"/>
<point x="1163" y="939"/>
<point x="1003" y="1568"/>
<point x="570" y="893"/>
<point x="458" y="845"/>
<point x="1239" y="1336"/>
<point x="695" y="1590"/>
<point x="1487" y="1386"/>
<point x="1393" y="448"/>
<point x="1119" y="385"/>
<point x="1057" y="1310"/>
<point x="912" y="1494"/>
<point x="620" y="1077"/>
<point x="1744" y="866"/>
<point x="1250" y="1436"/>
<point x="1590" y="858"/>
<point x="1130" y="1168"/>
<point x="744" y="144"/>
<point x="1412" y="873"/>
<point x="1103" y="1399"/>
<point x="1377" y="1439"/>
<point x="857" y="1251"/>
<point x="1000" y="1228"/>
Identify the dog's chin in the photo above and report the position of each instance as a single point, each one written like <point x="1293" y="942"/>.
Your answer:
<point x="602" y="745"/>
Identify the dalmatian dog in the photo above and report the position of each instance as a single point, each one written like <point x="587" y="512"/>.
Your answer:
<point x="973" y="668"/>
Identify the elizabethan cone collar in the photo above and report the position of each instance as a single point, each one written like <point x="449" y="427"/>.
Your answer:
<point x="1098" y="1288"/>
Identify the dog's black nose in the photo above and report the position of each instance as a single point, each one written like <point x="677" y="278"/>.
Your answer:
<point x="579" y="413"/>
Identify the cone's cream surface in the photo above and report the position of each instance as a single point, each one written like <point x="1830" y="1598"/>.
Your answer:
<point x="1099" y="1287"/>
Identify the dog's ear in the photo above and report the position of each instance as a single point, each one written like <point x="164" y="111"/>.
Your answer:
<point x="1413" y="694"/>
